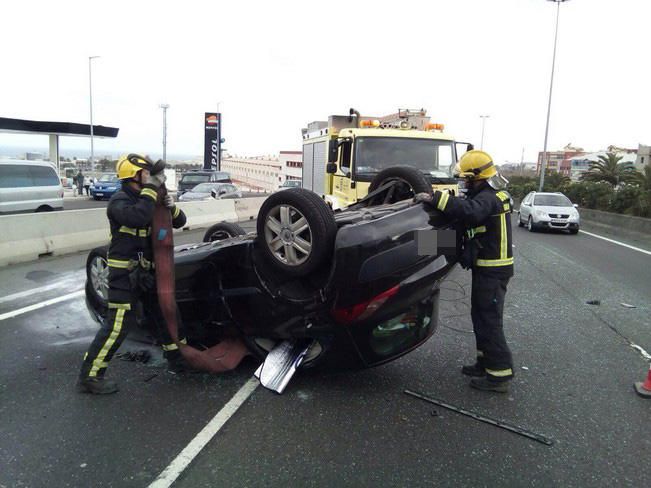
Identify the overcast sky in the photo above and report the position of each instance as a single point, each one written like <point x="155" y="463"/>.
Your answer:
<point x="274" y="66"/>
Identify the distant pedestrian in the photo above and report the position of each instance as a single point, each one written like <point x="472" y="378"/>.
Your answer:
<point x="79" y="179"/>
<point x="87" y="185"/>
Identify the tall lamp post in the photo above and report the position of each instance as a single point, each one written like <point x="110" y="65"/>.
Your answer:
<point x="543" y="165"/>
<point x="483" y="125"/>
<point x="164" y="106"/>
<point x="90" y="91"/>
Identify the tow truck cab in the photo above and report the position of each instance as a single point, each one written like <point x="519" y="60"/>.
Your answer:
<point x="341" y="156"/>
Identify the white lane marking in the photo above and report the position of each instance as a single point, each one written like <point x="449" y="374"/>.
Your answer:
<point x="36" y="306"/>
<point x="643" y="353"/>
<point x="57" y="284"/>
<point x="187" y="455"/>
<point x="616" y="242"/>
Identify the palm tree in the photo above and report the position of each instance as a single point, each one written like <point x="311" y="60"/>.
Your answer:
<point x="609" y="169"/>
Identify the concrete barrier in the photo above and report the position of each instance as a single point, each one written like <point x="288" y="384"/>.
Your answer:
<point x="25" y="237"/>
<point x="635" y="224"/>
<point x="247" y="208"/>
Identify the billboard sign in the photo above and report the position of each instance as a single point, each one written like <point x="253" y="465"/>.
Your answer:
<point x="212" y="140"/>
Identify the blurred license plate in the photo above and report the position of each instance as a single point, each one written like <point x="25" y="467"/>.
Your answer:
<point x="558" y="221"/>
<point x="99" y="194"/>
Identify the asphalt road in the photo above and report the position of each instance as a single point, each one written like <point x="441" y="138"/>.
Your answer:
<point x="575" y="368"/>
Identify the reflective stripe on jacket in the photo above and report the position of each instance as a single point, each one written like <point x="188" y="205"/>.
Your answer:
<point x="486" y="215"/>
<point x="130" y="214"/>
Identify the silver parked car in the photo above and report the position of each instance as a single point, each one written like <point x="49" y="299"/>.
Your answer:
<point x="29" y="186"/>
<point x="548" y="211"/>
<point x="205" y="191"/>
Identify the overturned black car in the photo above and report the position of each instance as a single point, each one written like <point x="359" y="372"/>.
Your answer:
<point x="355" y="283"/>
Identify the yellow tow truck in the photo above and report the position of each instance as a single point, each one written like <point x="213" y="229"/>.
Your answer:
<point x="347" y="156"/>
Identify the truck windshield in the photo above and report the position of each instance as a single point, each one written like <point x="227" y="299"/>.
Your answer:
<point x="373" y="154"/>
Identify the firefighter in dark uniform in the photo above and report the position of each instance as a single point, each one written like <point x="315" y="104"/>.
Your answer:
<point x="131" y="271"/>
<point x="487" y="250"/>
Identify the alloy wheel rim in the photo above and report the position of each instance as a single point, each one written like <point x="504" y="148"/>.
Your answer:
<point x="288" y="235"/>
<point x="99" y="272"/>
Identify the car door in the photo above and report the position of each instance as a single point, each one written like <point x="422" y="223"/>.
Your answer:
<point x="525" y="207"/>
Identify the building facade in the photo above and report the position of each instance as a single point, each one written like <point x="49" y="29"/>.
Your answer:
<point x="260" y="173"/>
<point x="643" y="157"/>
<point x="291" y="166"/>
<point x="581" y="164"/>
<point x="559" y="161"/>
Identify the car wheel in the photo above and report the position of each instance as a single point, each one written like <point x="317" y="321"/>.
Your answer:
<point x="296" y="231"/>
<point x="574" y="231"/>
<point x="407" y="182"/>
<point x="520" y="223"/>
<point x="223" y="230"/>
<point x="530" y="225"/>
<point x="44" y="208"/>
<point x="96" y="198"/>
<point x="97" y="273"/>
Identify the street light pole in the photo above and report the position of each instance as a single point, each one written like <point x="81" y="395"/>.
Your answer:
<point x="90" y="91"/>
<point x="164" y="106"/>
<point x="543" y="165"/>
<point x="483" y="125"/>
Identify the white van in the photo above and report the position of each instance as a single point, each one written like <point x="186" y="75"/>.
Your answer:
<point x="29" y="186"/>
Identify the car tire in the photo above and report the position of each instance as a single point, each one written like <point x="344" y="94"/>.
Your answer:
<point x="531" y="227"/>
<point x="574" y="231"/>
<point x="96" y="198"/>
<point x="296" y="248"/>
<point x="97" y="280"/>
<point x="409" y="181"/>
<point x="520" y="223"/>
<point x="223" y="230"/>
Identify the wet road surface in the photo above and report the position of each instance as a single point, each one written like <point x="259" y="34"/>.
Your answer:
<point x="575" y="366"/>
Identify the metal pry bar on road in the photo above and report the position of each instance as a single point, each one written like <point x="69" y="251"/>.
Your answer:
<point x="497" y="423"/>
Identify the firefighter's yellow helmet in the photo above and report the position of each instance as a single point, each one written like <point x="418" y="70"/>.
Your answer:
<point x="129" y="165"/>
<point x="476" y="165"/>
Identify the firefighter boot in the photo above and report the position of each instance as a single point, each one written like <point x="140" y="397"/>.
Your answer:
<point x="475" y="370"/>
<point x="96" y="386"/>
<point x="487" y="384"/>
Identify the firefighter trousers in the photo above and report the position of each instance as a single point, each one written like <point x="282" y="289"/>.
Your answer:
<point x="121" y="318"/>
<point x="487" y="307"/>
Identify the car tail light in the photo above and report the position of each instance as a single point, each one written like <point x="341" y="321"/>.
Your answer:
<point x="363" y="310"/>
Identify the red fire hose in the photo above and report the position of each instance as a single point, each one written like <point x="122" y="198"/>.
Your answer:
<point x="222" y="357"/>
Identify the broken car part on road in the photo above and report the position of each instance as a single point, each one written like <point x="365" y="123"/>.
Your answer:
<point x="497" y="423"/>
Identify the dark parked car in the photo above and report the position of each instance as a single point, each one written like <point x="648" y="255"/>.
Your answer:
<point x="192" y="178"/>
<point x="353" y="282"/>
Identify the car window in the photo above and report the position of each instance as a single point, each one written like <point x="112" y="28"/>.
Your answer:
<point x="552" y="201"/>
<point x="195" y="178"/>
<point x="203" y="188"/>
<point x="15" y="176"/>
<point x="108" y="178"/>
<point x="44" y="176"/>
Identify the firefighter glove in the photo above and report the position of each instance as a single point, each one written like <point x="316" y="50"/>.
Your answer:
<point x="424" y="198"/>
<point x="168" y="201"/>
<point x="157" y="180"/>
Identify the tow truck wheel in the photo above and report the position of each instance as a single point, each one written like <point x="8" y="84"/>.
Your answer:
<point x="296" y="231"/>
<point x="407" y="181"/>
<point x="223" y="230"/>
<point x="97" y="272"/>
